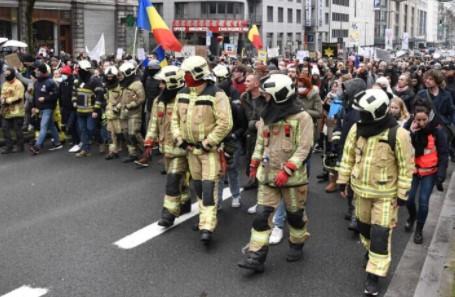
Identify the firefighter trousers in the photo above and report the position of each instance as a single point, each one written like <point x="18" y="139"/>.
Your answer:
<point x="375" y="219"/>
<point x="177" y="184"/>
<point x="268" y="200"/>
<point x="205" y="172"/>
<point x="115" y="130"/>
<point x="131" y="130"/>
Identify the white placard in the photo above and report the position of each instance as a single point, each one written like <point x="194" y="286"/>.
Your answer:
<point x="141" y="54"/>
<point x="273" y="52"/>
<point x="187" y="51"/>
<point x="119" y="54"/>
<point x="301" y="55"/>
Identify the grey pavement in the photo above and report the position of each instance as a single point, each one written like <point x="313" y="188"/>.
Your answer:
<point x="60" y="217"/>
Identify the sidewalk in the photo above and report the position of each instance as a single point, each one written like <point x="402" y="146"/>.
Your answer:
<point x="428" y="269"/>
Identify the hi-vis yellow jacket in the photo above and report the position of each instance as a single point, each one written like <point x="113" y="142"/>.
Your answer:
<point x="373" y="169"/>
<point x="159" y="129"/>
<point x="201" y="113"/>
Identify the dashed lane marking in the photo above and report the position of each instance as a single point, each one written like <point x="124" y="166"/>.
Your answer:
<point x="151" y="231"/>
<point x="26" y="291"/>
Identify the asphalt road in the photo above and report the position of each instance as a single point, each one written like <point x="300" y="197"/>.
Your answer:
<point x="60" y="216"/>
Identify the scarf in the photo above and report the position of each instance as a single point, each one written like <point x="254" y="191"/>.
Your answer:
<point x="420" y="138"/>
<point x="167" y="95"/>
<point x="372" y="128"/>
<point x="403" y="89"/>
<point x="127" y="81"/>
<point x="274" y="112"/>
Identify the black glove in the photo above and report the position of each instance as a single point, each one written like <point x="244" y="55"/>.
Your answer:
<point x="401" y="202"/>
<point x="342" y="188"/>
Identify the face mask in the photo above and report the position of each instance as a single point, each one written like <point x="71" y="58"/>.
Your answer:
<point x="10" y="77"/>
<point x="301" y="90"/>
<point x="191" y="82"/>
<point x="64" y="77"/>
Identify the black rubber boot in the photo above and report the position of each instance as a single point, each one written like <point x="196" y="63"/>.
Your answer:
<point x="295" y="252"/>
<point x="254" y="260"/>
<point x="185" y="207"/>
<point x="372" y="285"/>
<point x="418" y="236"/>
<point x="206" y="237"/>
<point x="323" y="177"/>
<point x="167" y="219"/>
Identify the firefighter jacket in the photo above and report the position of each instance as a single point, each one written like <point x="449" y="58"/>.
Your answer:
<point x="159" y="128"/>
<point x="202" y="113"/>
<point x="13" y="93"/>
<point x="113" y="99"/>
<point x="374" y="169"/>
<point x="288" y="140"/>
<point x="88" y="96"/>
<point x="133" y="97"/>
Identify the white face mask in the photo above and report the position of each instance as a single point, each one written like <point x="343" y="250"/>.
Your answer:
<point x="64" y="77"/>
<point x="301" y="90"/>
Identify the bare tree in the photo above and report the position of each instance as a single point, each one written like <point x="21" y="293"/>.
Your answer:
<point x="30" y="4"/>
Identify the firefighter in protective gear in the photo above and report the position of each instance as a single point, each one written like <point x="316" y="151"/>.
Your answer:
<point x="88" y="98"/>
<point x="201" y="120"/>
<point x="284" y="141"/>
<point x="133" y="96"/>
<point x="113" y="107"/>
<point x="177" y="199"/>
<point x="380" y="175"/>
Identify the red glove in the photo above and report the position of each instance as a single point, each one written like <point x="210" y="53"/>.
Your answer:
<point x="281" y="178"/>
<point x="254" y="168"/>
<point x="283" y="175"/>
<point x="148" y="147"/>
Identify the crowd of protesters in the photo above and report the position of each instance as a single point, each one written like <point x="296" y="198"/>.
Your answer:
<point x="61" y="100"/>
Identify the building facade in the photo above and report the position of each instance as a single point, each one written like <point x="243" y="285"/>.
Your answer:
<point x="71" y="25"/>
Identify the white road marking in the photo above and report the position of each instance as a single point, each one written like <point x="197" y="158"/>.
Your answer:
<point x="151" y="231"/>
<point x="26" y="291"/>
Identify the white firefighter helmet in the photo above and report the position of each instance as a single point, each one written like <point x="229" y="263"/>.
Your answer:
<point x="197" y="66"/>
<point x="279" y="86"/>
<point x="111" y="70"/>
<point x="173" y="77"/>
<point x="373" y="102"/>
<point x="221" y="71"/>
<point x="127" y="69"/>
<point x="85" y="65"/>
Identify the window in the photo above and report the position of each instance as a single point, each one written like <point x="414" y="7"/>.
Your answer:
<point x="269" y="38"/>
<point x="270" y="14"/>
<point x="180" y="10"/>
<point x="299" y="1"/>
<point x="203" y="8"/>
<point x="340" y="17"/>
<point x="327" y="3"/>
<point x="298" y="16"/>
<point x="159" y="7"/>
<point x="280" y="15"/>
<point x="340" y="33"/>
<point x="221" y="8"/>
<point x="327" y="18"/>
<point x="230" y="8"/>
<point x="212" y="8"/>
<point x="341" y="2"/>
<point x="290" y="15"/>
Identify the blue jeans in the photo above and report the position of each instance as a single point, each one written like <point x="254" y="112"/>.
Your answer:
<point x="47" y="123"/>
<point x="426" y="187"/>
<point x="87" y="126"/>
<point x="232" y="175"/>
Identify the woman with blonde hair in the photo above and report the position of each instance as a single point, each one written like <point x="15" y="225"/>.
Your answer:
<point x="398" y="109"/>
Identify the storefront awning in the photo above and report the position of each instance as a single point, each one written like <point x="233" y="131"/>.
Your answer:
<point x="214" y="26"/>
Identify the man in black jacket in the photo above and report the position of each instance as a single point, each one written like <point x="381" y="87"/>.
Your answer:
<point x="44" y="102"/>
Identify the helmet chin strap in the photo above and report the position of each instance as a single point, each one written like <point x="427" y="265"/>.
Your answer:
<point x="191" y="82"/>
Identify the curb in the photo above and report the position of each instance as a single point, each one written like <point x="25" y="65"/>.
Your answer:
<point x="413" y="262"/>
<point x="435" y="264"/>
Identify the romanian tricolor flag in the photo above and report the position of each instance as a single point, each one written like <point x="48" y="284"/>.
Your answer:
<point x="160" y="30"/>
<point x="255" y="38"/>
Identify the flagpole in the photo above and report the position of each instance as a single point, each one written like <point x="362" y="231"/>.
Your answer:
<point x="134" y="44"/>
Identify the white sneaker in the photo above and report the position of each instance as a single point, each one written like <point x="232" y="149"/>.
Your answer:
<point x="276" y="236"/>
<point x="252" y="209"/>
<point x="74" y="149"/>
<point x="235" y="202"/>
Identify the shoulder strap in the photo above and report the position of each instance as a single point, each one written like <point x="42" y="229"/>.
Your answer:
<point x="392" y="137"/>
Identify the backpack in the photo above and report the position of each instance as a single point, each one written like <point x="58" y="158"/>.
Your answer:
<point x="391" y="137"/>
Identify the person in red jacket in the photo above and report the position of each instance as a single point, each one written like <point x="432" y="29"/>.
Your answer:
<point x="431" y="159"/>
